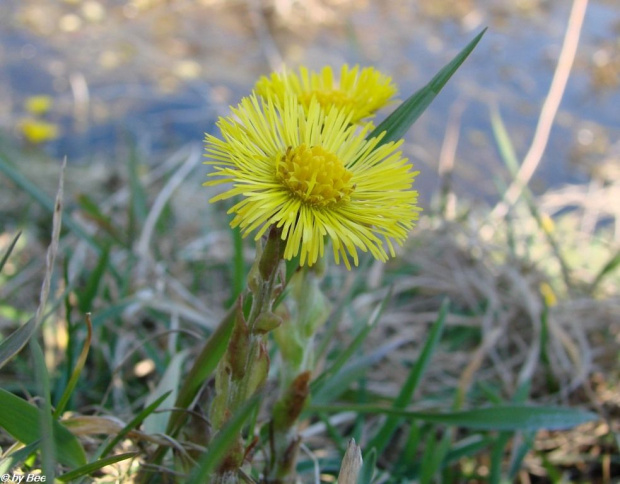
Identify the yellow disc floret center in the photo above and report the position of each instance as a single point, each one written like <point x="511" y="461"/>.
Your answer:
<point x="315" y="175"/>
<point x="327" y="98"/>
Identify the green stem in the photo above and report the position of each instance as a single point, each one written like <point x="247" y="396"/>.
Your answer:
<point x="308" y="311"/>
<point x="244" y="367"/>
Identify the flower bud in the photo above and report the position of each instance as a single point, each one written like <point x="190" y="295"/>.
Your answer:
<point x="288" y="409"/>
<point x="239" y="346"/>
<point x="258" y="370"/>
<point x="272" y="253"/>
<point x="266" y="322"/>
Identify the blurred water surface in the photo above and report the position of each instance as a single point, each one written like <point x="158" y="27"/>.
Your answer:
<point x="156" y="74"/>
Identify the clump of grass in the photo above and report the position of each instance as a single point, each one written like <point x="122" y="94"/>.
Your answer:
<point x="501" y="341"/>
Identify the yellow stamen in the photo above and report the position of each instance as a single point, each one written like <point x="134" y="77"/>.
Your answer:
<point x="315" y="175"/>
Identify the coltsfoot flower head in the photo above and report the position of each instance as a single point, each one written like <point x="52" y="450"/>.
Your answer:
<point x="314" y="175"/>
<point x="357" y="92"/>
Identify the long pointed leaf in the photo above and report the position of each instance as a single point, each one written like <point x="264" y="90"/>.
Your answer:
<point x="203" y="366"/>
<point x="397" y="124"/>
<point x="156" y="423"/>
<point x="341" y="381"/>
<point x="44" y="200"/>
<point x="46" y="425"/>
<point x="222" y="442"/>
<point x="15" y="458"/>
<point x="16" y="341"/>
<point x="346" y="355"/>
<point x="383" y="436"/>
<point x="135" y="422"/>
<point x="94" y="466"/>
<point x="505" y="417"/>
<point x="610" y="266"/>
<point x="77" y="370"/>
<point x="21" y="420"/>
<point x="6" y="255"/>
<point x="368" y="468"/>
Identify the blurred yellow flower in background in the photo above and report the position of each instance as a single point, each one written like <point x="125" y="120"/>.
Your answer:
<point x="38" y="131"/>
<point x="548" y="294"/>
<point x="313" y="174"/>
<point x="359" y="93"/>
<point x="38" y="105"/>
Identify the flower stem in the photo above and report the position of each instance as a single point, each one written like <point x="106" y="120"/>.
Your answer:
<point x="308" y="309"/>
<point x="243" y="369"/>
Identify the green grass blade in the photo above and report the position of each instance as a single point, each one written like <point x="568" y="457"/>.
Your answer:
<point x="156" y="423"/>
<point x="21" y="420"/>
<point x="6" y="255"/>
<point x="88" y="294"/>
<point x="505" y="417"/>
<point x="341" y="381"/>
<point x="30" y="188"/>
<point x="430" y="459"/>
<point x="609" y="267"/>
<point x="345" y="356"/>
<point x="202" y="368"/>
<point x="397" y="124"/>
<point x="409" y="450"/>
<point x="509" y="157"/>
<point x="94" y="466"/>
<point x="16" y="341"/>
<point x="467" y="447"/>
<point x="46" y="426"/>
<point x="384" y="435"/>
<point x="515" y="417"/>
<point x="333" y="433"/>
<point x="135" y="422"/>
<point x="554" y="474"/>
<point x="367" y="471"/>
<point x="516" y="463"/>
<point x="222" y="442"/>
<point x="113" y="310"/>
<point x="496" y="456"/>
<point x="45" y="201"/>
<point x="138" y="206"/>
<point x="77" y="370"/>
<point x="12" y="460"/>
<point x="504" y="143"/>
<point x="331" y="327"/>
<point x="91" y="209"/>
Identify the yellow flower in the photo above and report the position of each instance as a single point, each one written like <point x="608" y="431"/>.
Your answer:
<point x="548" y="295"/>
<point x="313" y="174"/>
<point x="38" y="131"/>
<point x="358" y="92"/>
<point x="38" y="105"/>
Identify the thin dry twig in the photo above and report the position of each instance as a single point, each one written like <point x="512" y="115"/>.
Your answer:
<point x="53" y="247"/>
<point x="447" y="156"/>
<point x="548" y="111"/>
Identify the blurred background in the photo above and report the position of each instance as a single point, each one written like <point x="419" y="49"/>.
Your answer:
<point x="92" y="79"/>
